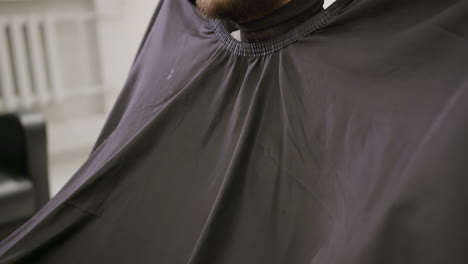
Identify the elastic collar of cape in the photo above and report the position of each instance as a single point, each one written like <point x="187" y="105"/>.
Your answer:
<point x="261" y="48"/>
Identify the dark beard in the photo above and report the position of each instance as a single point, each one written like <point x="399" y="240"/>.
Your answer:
<point x="238" y="10"/>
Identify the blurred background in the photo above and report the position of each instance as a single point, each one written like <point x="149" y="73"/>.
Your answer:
<point x="68" y="59"/>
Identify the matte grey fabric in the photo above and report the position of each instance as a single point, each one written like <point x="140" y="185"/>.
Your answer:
<point x="342" y="141"/>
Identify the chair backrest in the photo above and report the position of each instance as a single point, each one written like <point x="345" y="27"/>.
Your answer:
<point x="23" y="150"/>
<point x="13" y="155"/>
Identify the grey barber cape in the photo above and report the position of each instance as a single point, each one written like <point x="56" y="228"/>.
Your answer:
<point x="340" y="137"/>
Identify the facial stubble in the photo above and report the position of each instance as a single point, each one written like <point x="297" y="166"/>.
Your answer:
<point x="238" y="10"/>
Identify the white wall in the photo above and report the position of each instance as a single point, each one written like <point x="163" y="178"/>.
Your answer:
<point x="328" y="2"/>
<point x="120" y="32"/>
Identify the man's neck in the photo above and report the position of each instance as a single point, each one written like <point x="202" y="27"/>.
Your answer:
<point x="290" y="15"/>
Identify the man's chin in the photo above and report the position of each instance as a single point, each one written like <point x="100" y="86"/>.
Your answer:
<point x="238" y="10"/>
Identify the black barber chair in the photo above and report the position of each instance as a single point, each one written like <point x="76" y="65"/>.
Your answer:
<point x="24" y="184"/>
